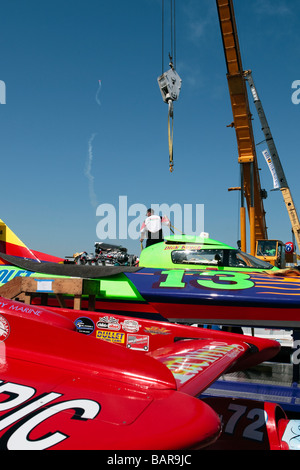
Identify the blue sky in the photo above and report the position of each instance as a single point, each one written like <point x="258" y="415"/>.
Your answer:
<point x="53" y="55"/>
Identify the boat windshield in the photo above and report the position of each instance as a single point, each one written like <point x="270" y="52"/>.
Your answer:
<point x="218" y="257"/>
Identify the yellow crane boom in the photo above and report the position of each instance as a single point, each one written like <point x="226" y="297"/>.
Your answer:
<point x="250" y="181"/>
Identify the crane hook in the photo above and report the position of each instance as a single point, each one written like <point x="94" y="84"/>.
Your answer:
<point x="170" y="85"/>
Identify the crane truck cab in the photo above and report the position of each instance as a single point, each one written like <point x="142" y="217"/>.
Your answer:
<point x="272" y="251"/>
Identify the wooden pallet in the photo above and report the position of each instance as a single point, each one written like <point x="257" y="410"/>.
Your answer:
<point x="24" y="289"/>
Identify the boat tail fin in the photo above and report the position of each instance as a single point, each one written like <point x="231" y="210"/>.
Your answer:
<point x="10" y="244"/>
<point x="196" y="363"/>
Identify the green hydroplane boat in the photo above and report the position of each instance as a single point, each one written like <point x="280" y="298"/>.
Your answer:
<point x="184" y="279"/>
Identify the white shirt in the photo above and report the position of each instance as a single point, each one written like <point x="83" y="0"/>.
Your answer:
<point x="152" y="224"/>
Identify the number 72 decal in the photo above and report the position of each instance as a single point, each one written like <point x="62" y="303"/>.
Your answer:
<point x="257" y="416"/>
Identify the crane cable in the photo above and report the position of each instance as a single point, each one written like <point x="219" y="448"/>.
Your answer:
<point x="170" y="136"/>
<point x="172" y="53"/>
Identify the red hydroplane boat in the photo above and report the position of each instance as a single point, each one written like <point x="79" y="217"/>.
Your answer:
<point x="65" y="384"/>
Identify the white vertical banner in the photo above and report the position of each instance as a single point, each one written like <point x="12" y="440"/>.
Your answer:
<point x="271" y="168"/>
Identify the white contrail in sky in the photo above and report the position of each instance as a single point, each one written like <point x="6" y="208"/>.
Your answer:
<point x="88" y="168"/>
<point x="97" y="94"/>
<point x="88" y="172"/>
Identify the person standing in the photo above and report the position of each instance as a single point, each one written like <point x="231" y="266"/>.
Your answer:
<point x="152" y="228"/>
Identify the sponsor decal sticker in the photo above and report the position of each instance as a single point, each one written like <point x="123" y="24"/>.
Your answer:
<point x="131" y="326"/>
<point x="138" y="342"/>
<point x="155" y="330"/>
<point x="183" y="247"/>
<point x="185" y="367"/>
<point x="111" y="336"/>
<point x="4" y="329"/>
<point x="110" y="323"/>
<point x="84" y="325"/>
